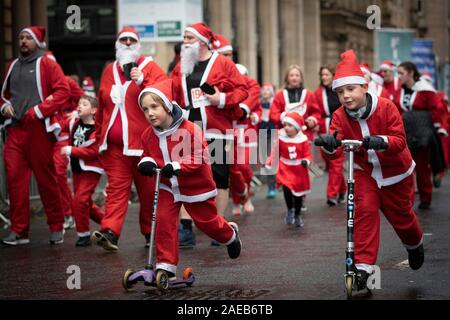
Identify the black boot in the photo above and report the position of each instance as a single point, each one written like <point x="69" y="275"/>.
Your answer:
<point x="416" y="257"/>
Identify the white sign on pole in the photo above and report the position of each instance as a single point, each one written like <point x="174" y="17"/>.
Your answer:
<point x="159" y="20"/>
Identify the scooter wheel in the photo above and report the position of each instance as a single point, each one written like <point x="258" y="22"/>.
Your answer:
<point x="187" y="273"/>
<point x="125" y="283"/>
<point x="349" y="286"/>
<point x="162" y="280"/>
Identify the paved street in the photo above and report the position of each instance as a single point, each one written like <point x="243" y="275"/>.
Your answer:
<point x="277" y="261"/>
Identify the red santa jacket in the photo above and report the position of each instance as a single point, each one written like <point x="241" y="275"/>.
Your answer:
<point x="87" y="153"/>
<point x="378" y="90"/>
<point x="423" y="98"/>
<point x="50" y="81"/>
<point x="183" y="145"/>
<point x="119" y="97"/>
<point x="222" y="73"/>
<point x="247" y="130"/>
<point x="320" y="96"/>
<point x="290" y="172"/>
<point x="307" y="107"/>
<point x="386" y="167"/>
<point x="392" y="87"/>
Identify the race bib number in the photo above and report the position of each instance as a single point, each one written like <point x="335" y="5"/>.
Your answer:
<point x="199" y="99"/>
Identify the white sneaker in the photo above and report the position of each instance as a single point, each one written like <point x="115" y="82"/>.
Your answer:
<point x="236" y="209"/>
<point x="248" y="206"/>
<point x="69" y="223"/>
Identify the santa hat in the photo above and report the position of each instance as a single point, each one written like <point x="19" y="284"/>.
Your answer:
<point x="376" y="76"/>
<point x="242" y="69"/>
<point x="269" y="85"/>
<point x="128" y="32"/>
<point x="295" y="119"/>
<point x="203" y="32"/>
<point x="427" y="76"/>
<point x="37" y="33"/>
<point x="88" y="84"/>
<point x="348" y="71"/>
<point x="162" y="89"/>
<point x="221" y="44"/>
<point x="387" y="65"/>
<point x="365" y="68"/>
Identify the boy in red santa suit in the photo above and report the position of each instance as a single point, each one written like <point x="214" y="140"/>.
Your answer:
<point x="383" y="176"/>
<point x="82" y="151"/>
<point x="31" y="128"/>
<point x="292" y="173"/>
<point x="178" y="147"/>
<point x="119" y="125"/>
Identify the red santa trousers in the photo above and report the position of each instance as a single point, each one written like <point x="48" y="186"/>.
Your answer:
<point x="121" y="170"/>
<point x="61" y="163"/>
<point x="84" y="184"/>
<point x="336" y="180"/>
<point x="29" y="148"/>
<point x="421" y="157"/>
<point x="240" y="173"/>
<point x="396" y="202"/>
<point x="206" y="219"/>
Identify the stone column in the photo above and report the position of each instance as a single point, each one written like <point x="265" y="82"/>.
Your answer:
<point x="436" y="17"/>
<point x="269" y="41"/>
<point x="292" y="35"/>
<point x="246" y="35"/>
<point x="21" y="17"/>
<point x="312" y="41"/>
<point x="220" y="17"/>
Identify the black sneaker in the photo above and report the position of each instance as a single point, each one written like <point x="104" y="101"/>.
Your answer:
<point x="106" y="239"/>
<point x="416" y="257"/>
<point x="341" y="198"/>
<point x="13" y="239"/>
<point x="437" y="180"/>
<point x="361" y="280"/>
<point x="424" y="205"/>
<point x="331" y="202"/>
<point x="234" y="248"/>
<point x="83" y="241"/>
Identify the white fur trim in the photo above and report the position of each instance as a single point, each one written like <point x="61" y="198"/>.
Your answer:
<point x="348" y="80"/>
<point x="197" y="34"/>
<point x="291" y="121"/>
<point x="226" y="48"/>
<point x="413" y="247"/>
<point x="140" y="79"/>
<point x="128" y="34"/>
<point x="222" y="100"/>
<point x="176" y="165"/>
<point x="166" y="267"/>
<point x="159" y="94"/>
<point x="245" y="107"/>
<point x="85" y="167"/>
<point x="147" y="159"/>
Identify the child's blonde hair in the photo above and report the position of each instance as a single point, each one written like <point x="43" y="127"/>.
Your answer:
<point x="289" y="69"/>
<point x="93" y="101"/>
<point x="156" y="98"/>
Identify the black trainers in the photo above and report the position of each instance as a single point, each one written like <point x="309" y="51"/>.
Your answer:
<point x="13" y="239"/>
<point x="416" y="257"/>
<point x="361" y="279"/>
<point x="234" y="248"/>
<point x="331" y="202"/>
<point x="106" y="239"/>
<point x="83" y="241"/>
<point x="424" y="205"/>
<point x="437" y="180"/>
<point x="341" y="198"/>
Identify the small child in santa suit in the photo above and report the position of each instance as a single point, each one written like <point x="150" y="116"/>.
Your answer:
<point x="178" y="147"/>
<point x="86" y="168"/>
<point x="383" y="175"/>
<point x="294" y="157"/>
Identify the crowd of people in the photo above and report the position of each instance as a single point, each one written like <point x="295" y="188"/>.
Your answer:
<point x="204" y="124"/>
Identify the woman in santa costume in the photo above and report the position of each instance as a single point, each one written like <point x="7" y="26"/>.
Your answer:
<point x="186" y="176"/>
<point x="418" y="94"/>
<point x="119" y="125"/>
<point x="30" y="125"/>
<point x="293" y="158"/>
<point x="328" y="102"/>
<point x="383" y="167"/>
<point x="295" y="98"/>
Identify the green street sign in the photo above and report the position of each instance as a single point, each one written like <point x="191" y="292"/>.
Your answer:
<point x="169" y="28"/>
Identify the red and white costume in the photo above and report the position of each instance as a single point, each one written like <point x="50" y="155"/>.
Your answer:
<point x="383" y="179"/>
<point x="306" y="106"/>
<point x="423" y="98"/>
<point x="29" y="146"/>
<point x="291" y="151"/>
<point x="85" y="182"/>
<point x="336" y="181"/>
<point x="119" y="126"/>
<point x="183" y="145"/>
<point x="392" y="87"/>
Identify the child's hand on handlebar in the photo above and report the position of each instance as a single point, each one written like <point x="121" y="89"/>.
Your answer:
<point x="328" y="142"/>
<point x="374" y="143"/>
<point x="147" y="168"/>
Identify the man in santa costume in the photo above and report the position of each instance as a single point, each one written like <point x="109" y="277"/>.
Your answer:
<point x="390" y="82"/>
<point x="373" y="86"/>
<point x="383" y="167"/>
<point x="119" y="125"/>
<point x="30" y="125"/>
<point x="214" y="112"/>
<point x="246" y="133"/>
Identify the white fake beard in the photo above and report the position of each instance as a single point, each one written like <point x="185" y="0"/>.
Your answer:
<point x="189" y="57"/>
<point x="127" y="54"/>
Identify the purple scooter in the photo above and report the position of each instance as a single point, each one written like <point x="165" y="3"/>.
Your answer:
<point x="158" y="278"/>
